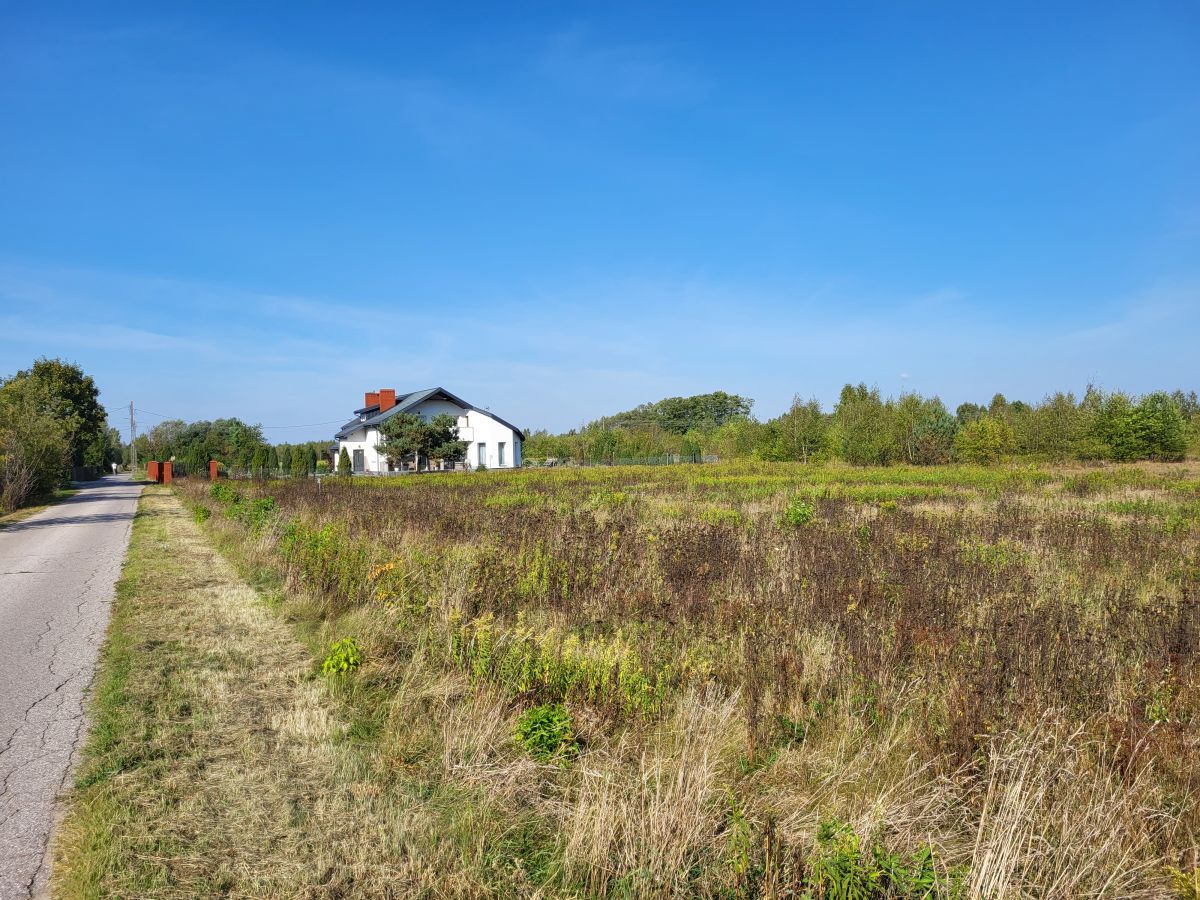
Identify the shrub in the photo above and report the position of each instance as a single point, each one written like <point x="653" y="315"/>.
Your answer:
<point x="344" y="656"/>
<point x="223" y="493"/>
<point x="257" y="513"/>
<point x="545" y="732"/>
<point x="1159" y="427"/>
<point x="799" y="512"/>
<point x="985" y="441"/>
<point x="200" y="513"/>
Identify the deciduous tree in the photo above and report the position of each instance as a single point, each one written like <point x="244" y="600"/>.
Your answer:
<point x="985" y="441"/>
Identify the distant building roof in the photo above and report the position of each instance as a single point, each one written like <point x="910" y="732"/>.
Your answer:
<point x="406" y="403"/>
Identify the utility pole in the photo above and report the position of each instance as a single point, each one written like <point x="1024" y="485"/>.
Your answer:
<point x="132" y="441"/>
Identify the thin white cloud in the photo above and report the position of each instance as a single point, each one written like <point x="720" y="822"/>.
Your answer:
<point x="566" y="354"/>
<point x="101" y="335"/>
<point x="582" y="63"/>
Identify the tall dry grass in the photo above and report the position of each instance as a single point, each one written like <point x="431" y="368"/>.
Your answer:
<point x="993" y="667"/>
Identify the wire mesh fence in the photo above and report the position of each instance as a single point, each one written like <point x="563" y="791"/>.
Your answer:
<point x="667" y="459"/>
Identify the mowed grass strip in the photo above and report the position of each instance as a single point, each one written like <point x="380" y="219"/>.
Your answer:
<point x="219" y="761"/>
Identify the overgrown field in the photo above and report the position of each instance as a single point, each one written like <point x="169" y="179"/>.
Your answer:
<point x="766" y="679"/>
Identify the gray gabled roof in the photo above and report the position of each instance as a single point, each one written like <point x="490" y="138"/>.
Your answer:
<point x="407" y="402"/>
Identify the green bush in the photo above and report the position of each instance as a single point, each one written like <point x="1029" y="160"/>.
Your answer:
<point x="257" y="513"/>
<point x="223" y="493"/>
<point x="545" y="732"/>
<point x="799" y="512"/>
<point x="344" y="467"/>
<point x="985" y="441"/>
<point x="344" y="656"/>
<point x="200" y="513"/>
<point x="1160" y="428"/>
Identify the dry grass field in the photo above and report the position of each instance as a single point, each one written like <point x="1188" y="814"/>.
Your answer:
<point x="749" y="679"/>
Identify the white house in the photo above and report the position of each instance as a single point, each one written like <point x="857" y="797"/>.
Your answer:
<point x="491" y="441"/>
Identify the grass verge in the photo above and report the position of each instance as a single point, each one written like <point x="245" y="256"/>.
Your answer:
<point x="220" y="761"/>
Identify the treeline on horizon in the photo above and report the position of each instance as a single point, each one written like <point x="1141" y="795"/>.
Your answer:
<point x="864" y="428"/>
<point x="233" y="443"/>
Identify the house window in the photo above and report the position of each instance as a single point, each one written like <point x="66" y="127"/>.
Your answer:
<point x="483" y="454"/>
<point x="500" y="454"/>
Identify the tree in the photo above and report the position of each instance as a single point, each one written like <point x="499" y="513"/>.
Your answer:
<point x="985" y="441"/>
<point x="1115" y="428"/>
<point x="999" y="408"/>
<point x="406" y="434"/>
<point x="737" y="437"/>
<point x="864" y="429"/>
<point x="542" y="444"/>
<point x="299" y="462"/>
<point x="934" y="433"/>
<point x="166" y="439"/>
<point x="261" y="461"/>
<point x="344" y="467"/>
<point x="969" y="412"/>
<point x="195" y="459"/>
<point x="310" y="458"/>
<point x="62" y="390"/>
<point x="802" y="430"/>
<point x="285" y="458"/>
<point x="1053" y="428"/>
<point x="1159" y="428"/>
<point x="1188" y="404"/>
<point x="906" y="415"/>
<point x="679" y="415"/>
<point x="104" y="449"/>
<point x="34" y="445"/>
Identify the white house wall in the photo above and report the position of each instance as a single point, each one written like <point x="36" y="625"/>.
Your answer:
<point x="486" y="430"/>
<point x="366" y="439"/>
<point x="474" y="426"/>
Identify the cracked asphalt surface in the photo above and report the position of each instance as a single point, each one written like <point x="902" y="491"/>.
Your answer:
<point x="57" y="574"/>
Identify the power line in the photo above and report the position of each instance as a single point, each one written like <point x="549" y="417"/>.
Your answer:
<point x="309" y="425"/>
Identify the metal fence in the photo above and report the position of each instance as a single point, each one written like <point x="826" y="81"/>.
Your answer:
<point x="668" y="459"/>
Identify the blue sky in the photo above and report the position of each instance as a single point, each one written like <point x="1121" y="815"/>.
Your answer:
<point x="560" y="210"/>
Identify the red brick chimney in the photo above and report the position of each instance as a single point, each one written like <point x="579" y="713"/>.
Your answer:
<point x="370" y="399"/>
<point x="387" y="399"/>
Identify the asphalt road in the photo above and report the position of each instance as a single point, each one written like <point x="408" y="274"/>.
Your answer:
<point x="57" y="572"/>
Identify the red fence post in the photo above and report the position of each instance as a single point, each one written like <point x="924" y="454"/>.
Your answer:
<point x="166" y="472"/>
<point x="212" y="470"/>
<point x="152" y="472"/>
